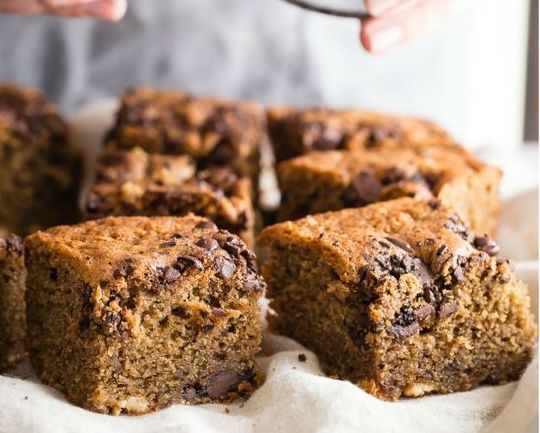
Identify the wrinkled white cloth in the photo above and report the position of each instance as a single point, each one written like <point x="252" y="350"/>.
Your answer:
<point x="296" y="396"/>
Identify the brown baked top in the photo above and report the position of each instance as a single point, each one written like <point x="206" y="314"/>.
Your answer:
<point x="176" y="122"/>
<point x="420" y="237"/>
<point x="162" y="249"/>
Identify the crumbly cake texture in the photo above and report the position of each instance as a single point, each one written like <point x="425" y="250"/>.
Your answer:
<point x="399" y="297"/>
<point x="12" y="306"/>
<point x="131" y="314"/>
<point x="213" y="131"/>
<point x="137" y="183"/>
<point x="295" y="131"/>
<point x="38" y="168"/>
<point x="334" y="180"/>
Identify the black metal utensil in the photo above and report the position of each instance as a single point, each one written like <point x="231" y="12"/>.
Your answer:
<point x="340" y="8"/>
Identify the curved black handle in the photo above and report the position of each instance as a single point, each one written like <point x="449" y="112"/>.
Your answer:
<point x="316" y="6"/>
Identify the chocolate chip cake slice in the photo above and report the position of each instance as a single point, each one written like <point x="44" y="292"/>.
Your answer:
<point x="12" y="306"/>
<point x="39" y="170"/>
<point x="137" y="183"/>
<point x="333" y="180"/>
<point x="131" y="314"/>
<point x="213" y="131"/>
<point x="294" y="131"/>
<point x="400" y="298"/>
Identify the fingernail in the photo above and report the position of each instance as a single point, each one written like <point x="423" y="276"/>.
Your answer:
<point x="107" y="11"/>
<point x="386" y="38"/>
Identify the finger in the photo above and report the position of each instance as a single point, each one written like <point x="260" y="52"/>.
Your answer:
<point x="64" y="3"/>
<point x="380" y="34"/>
<point x="377" y="8"/>
<point x="106" y="10"/>
<point x="22" y="8"/>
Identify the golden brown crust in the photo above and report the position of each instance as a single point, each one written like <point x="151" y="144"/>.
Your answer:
<point x="333" y="180"/>
<point x="295" y="131"/>
<point x="399" y="297"/>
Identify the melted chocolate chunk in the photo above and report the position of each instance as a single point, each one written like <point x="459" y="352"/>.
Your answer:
<point x="447" y="308"/>
<point x="224" y="268"/>
<point x="218" y="312"/>
<point x="318" y="136"/>
<point x="406" y="324"/>
<point x="207" y="244"/>
<point x="184" y="262"/>
<point x="233" y="246"/>
<point x="458" y="274"/>
<point x="170" y="275"/>
<point x="14" y="244"/>
<point x="455" y="225"/>
<point x="378" y="133"/>
<point x="399" y="243"/>
<point x="222" y="383"/>
<point x="365" y="188"/>
<point x="252" y="284"/>
<point x="125" y="269"/>
<point x="424" y="311"/>
<point x="208" y="225"/>
<point x="485" y="244"/>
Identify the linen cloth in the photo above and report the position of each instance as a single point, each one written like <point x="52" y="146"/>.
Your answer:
<point x="296" y="396"/>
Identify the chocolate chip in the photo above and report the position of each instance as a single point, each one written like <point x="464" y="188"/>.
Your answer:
<point x="111" y="318"/>
<point x="406" y="324"/>
<point x="399" y="243"/>
<point x="207" y="244"/>
<point x="125" y="269"/>
<point x="183" y="262"/>
<point x="456" y="225"/>
<point x="302" y="357"/>
<point x="233" y="246"/>
<point x="485" y="244"/>
<point x="378" y="133"/>
<point x="319" y="136"/>
<point x="441" y="250"/>
<point x="252" y="284"/>
<point x="218" y="312"/>
<point x="251" y="260"/>
<point x="458" y="273"/>
<point x="15" y="244"/>
<point x="365" y="188"/>
<point x="424" y="311"/>
<point x="394" y="175"/>
<point x="224" y="268"/>
<point x="170" y="275"/>
<point x="222" y="383"/>
<point x="208" y="225"/>
<point x="447" y="308"/>
<point x="170" y="243"/>
<point x="434" y="203"/>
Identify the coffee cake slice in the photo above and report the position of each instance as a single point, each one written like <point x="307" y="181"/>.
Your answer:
<point x="295" y="131"/>
<point x="334" y="180"/>
<point x="39" y="170"/>
<point x="131" y="314"/>
<point x="137" y="183"/>
<point x="12" y="307"/>
<point x="400" y="298"/>
<point x="213" y="131"/>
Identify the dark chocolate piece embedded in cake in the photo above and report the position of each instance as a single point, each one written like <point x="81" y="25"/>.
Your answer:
<point x="12" y="307"/>
<point x="136" y="183"/>
<point x="39" y="171"/>
<point x="131" y="314"/>
<point x="324" y="181"/>
<point x="295" y="131"/>
<point x="213" y="131"/>
<point x="399" y="297"/>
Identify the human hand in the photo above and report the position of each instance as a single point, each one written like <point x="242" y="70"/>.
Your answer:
<point x="112" y="10"/>
<point x="394" y="22"/>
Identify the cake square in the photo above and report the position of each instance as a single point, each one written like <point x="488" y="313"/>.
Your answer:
<point x="295" y="131"/>
<point x="12" y="306"/>
<point x="137" y="183"/>
<point x="399" y="297"/>
<point x="131" y="314"/>
<point x="334" y="180"/>
<point x="39" y="170"/>
<point x="213" y="131"/>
